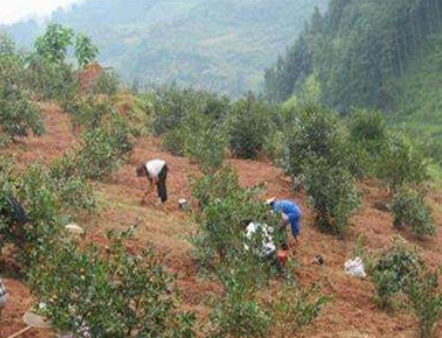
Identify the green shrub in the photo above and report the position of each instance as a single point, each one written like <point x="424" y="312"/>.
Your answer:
<point x="108" y="294"/>
<point x="88" y="111"/>
<point x="315" y="134"/>
<point x="171" y="106"/>
<point x="19" y="113"/>
<point x="54" y="43"/>
<point x="293" y="308"/>
<point x="426" y="299"/>
<point x="223" y="205"/>
<point x="204" y="141"/>
<point x="392" y="271"/>
<point x="239" y="314"/>
<point x="174" y="141"/>
<point x="250" y="123"/>
<point x="53" y="81"/>
<point x="104" y="149"/>
<point x="369" y="129"/>
<point x="401" y="163"/>
<point x="85" y="51"/>
<point x="333" y="195"/>
<point x="50" y="201"/>
<point x="274" y="147"/>
<point x="106" y="84"/>
<point x="409" y="209"/>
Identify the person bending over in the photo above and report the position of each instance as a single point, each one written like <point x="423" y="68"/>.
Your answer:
<point x="291" y="214"/>
<point x="156" y="173"/>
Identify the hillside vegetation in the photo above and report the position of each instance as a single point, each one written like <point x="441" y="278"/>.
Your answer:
<point x="356" y="52"/>
<point x="216" y="45"/>
<point x="72" y="136"/>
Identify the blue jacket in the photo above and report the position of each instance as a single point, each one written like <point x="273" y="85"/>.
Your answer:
<point x="293" y="212"/>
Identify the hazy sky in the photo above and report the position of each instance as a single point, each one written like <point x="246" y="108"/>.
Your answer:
<point x="14" y="10"/>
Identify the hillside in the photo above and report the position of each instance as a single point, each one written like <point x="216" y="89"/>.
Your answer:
<point x="351" y="313"/>
<point x="418" y="99"/>
<point x="356" y="52"/>
<point x="219" y="45"/>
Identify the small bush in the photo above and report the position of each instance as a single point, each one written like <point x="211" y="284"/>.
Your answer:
<point x="401" y="164"/>
<point x="104" y="149"/>
<point x="223" y="205"/>
<point x="315" y="134"/>
<point x="392" y="271"/>
<point x="369" y="129"/>
<point x="174" y="141"/>
<point x="19" y="113"/>
<point x="293" y="308"/>
<point x="53" y="81"/>
<point x="249" y="126"/>
<point x="333" y="195"/>
<point x="426" y="299"/>
<point x="239" y="314"/>
<point x="171" y="106"/>
<point x="106" y="84"/>
<point x="204" y="141"/>
<point x="108" y="294"/>
<point x="90" y="110"/>
<point x="409" y="209"/>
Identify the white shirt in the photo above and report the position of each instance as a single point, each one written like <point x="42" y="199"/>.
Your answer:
<point x="268" y="246"/>
<point x="154" y="167"/>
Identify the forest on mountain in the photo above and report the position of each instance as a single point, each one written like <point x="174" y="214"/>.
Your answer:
<point x="358" y="54"/>
<point x="216" y="45"/>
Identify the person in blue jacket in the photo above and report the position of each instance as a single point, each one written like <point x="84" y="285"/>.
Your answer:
<point x="291" y="214"/>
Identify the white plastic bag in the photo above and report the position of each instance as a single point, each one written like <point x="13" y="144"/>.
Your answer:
<point x="355" y="268"/>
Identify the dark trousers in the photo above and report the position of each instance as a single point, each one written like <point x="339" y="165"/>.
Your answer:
<point x="161" y="184"/>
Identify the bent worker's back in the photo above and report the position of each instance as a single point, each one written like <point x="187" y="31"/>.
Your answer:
<point x="287" y="207"/>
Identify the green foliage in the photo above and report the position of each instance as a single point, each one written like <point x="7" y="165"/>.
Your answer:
<point x="333" y="195"/>
<point x="316" y="133"/>
<point x="357" y="62"/>
<point x="104" y="149"/>
<point x="204" y="141"/>
<point x="293" y="308"/>
<point x="85" y="51"/>
<point x="224" y="204"/>
<point x="409" y="209"/>
<point x="250" y="124"/>
<point x="401" y="163"/>
<point x="107" y="84"/>
<point x="426" y="299"/>
<point x="108" y="294"/>
<point x="174" y="140"/>
<point x="53" y="44"/>
<point x="393" y="270"/>
<point x="171" y="106"/>
<point x="50" y="200"/>
<point x="369" y="129"/>
<point x="52" y="81"/>
<point x="18" y="112"/>
<point x="89" y="111"/>
<point x="239" y="314"/>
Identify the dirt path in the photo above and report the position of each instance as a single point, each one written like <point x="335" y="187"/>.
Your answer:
<point x="351" y="313"/>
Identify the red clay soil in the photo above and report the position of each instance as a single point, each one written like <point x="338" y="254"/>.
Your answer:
<point x="352" y="312"/>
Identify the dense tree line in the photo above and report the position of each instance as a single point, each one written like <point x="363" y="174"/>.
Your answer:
<point x="355" y="51"/>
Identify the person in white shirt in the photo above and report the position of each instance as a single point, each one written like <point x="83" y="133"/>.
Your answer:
<point x="268" y="248"/>
<point x="156" y="172"/>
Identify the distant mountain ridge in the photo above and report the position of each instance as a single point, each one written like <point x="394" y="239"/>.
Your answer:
<point x="218" y="45"/>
